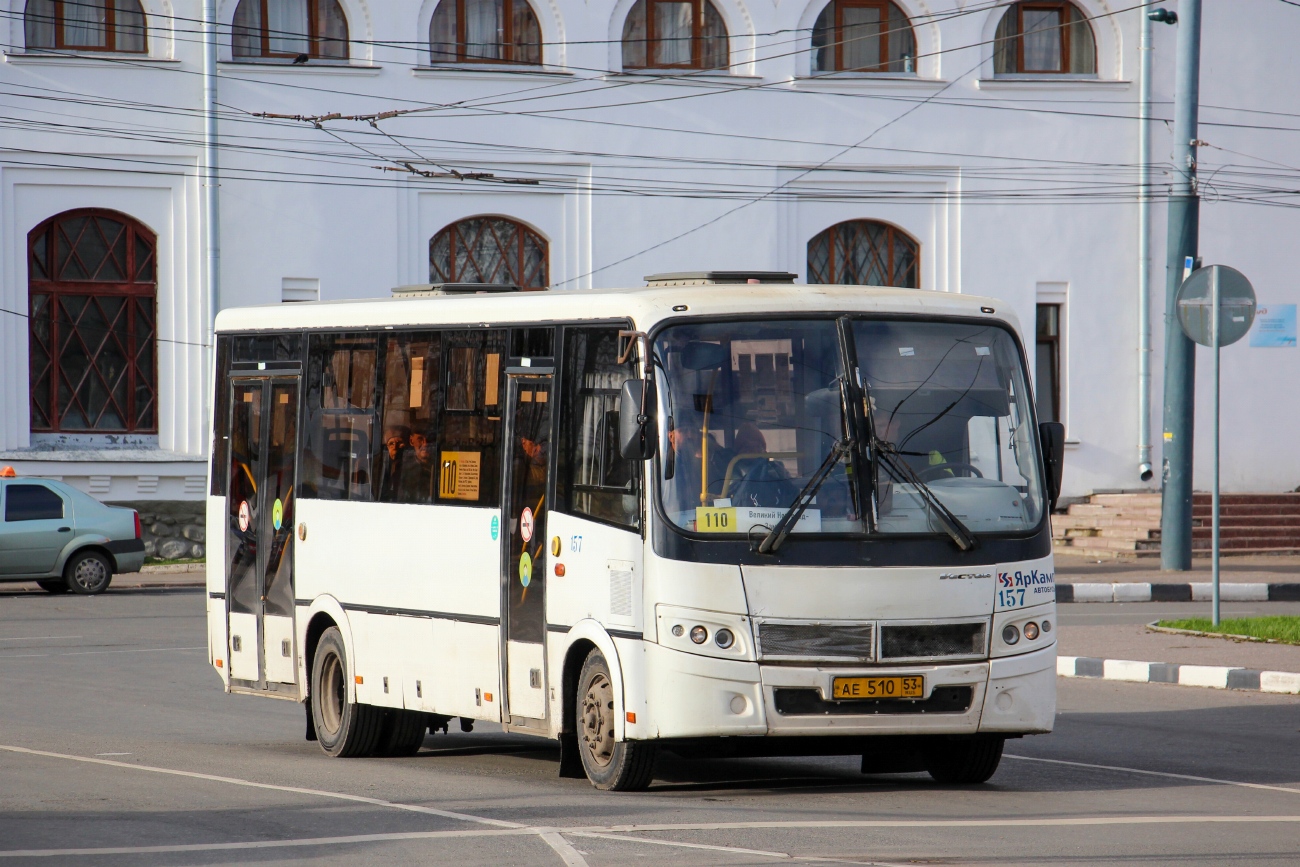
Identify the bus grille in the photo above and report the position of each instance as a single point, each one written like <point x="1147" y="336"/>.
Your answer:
<point x="846" y="641"/>
<point x="931" y="640"/>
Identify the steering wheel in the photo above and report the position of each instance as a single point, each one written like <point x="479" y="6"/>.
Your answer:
<point x="929" y="472"/>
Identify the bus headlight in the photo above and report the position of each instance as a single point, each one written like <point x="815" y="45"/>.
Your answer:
<point x="699" y="634"/>
<point x="1010" y="635"/>
<point x="723" y="638"/>
<point x="1031" y="630"/>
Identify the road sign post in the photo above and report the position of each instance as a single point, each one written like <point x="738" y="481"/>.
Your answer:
<point x="1216" y="306"/>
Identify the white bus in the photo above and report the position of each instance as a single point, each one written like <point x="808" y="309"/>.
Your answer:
<point x="721" y="514"/>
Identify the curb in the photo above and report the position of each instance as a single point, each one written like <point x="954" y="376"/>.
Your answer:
<point x="174" y="567"/>
<point x="1212" y="676"/>
<point x="1199" y="592"/>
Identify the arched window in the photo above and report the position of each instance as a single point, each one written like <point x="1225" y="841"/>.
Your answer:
<point x="489" y="250"/>
<point x="93" y="289"/>
<point x="1044" y="38"/>
<point x="85" y="25"/>
<point x="666" y="34"/>
<point x="289" y="30"/>
<point x="865" y="253"/>
<point x="863" y="36"/>
<point x="485" y="31"/>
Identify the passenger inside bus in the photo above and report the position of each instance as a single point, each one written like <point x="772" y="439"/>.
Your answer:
<point x="753" y="478"/>
<point x="420" y="471"/>
<point x="395" y="460"/>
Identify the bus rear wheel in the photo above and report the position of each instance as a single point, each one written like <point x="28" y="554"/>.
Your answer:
<point x="343" y="728"/>
<point x="610" y="765"/>
<point x="964" y="761"/>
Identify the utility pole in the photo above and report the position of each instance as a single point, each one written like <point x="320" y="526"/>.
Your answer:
<point x="211" y="213"/>
<point x="1180" y="352"/>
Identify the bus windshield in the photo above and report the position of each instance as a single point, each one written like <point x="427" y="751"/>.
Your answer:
<point x="750" y="411"/>
<point x="950" y="403"/>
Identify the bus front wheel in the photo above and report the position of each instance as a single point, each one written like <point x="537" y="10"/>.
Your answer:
<point x="343" y="728"/>
<point x="964" y="761"/>
<point x="610" y="765"/>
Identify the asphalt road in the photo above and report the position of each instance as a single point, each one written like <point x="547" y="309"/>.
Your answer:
<point x="117" y="747"/>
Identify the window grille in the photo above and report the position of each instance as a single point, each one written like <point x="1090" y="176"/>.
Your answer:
<point x="866" y="253"/>
<point x="93" y="343"/>
<point x="489" y="250"/>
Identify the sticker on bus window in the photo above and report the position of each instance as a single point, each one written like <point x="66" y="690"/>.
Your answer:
<point x="741" y="519"/>
<point x="526" y="524"/>
<point x="245" y="516"/>
<point x="525" y="569"/>
<point x="496" y="528"/>
<point x="460" y="475"/>
<point x="277" y="514"/>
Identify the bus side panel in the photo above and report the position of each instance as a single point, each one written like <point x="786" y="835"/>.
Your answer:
<point x="417" y="558"/>
<point x="602" y="575"/>
<point x="215" y="543"/>
<point x="464" y="670"/>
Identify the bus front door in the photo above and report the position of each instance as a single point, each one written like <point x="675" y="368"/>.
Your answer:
<point x="524" y="547"/>
<point x="259" y="532"/>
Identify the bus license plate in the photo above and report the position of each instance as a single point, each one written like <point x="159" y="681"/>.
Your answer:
<point x="877" y="687"/>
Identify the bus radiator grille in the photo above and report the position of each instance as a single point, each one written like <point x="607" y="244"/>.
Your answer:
<point x="835" y="641"/>
<point x="899" y="641"/>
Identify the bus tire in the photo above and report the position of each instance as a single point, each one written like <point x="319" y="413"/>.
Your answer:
<point x="964" y="761"/>
<point x="343" y="728"/>
<point x="618" y="766"/>
<point x="403" y="733"/>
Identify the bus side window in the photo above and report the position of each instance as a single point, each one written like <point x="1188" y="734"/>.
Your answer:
<point x="469" y="430"/>
<point x="594" y="479"/>
<point x="406" y="459"/>
<point x="340" y="426"/>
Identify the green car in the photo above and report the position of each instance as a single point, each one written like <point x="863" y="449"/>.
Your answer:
<point x="63" y="539"/>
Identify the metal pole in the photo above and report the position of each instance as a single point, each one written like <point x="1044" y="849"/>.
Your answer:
<point x="1144" y="249"/>
<point x="1214" y="339"/>
<point x="1180" y="355"/>
<point x="211" y="227"/>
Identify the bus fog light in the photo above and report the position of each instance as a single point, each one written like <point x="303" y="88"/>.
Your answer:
<point x="679" y="630"/>
<point x="738" y="704"/>
<point x="1010" y="635"/>
<point x="724" y="638"/>
<point x="1031" y="631"/>
<point x="699" y="634"/>
<point x="1047" y="626"/>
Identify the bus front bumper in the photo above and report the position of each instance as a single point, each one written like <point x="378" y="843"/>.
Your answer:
<point x="696" y="696"/>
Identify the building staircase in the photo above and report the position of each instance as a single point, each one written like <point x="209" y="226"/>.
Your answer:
<point x="1110" y="525"/>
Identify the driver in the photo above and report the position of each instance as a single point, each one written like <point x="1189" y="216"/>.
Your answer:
<point x="686" y="489"/>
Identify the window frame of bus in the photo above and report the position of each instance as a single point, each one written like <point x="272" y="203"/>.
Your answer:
<point x="721" y="542"/>
<point x="570" y="421"/>
<point x="309" y="475"/>
<point x="265" y="347"/>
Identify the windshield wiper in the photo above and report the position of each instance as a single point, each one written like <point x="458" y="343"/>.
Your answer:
<point x="887" y="454"/>
<point x="777" y="534"/>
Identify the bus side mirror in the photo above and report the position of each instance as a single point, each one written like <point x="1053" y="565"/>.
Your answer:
<point x="638" y="434"/>
<point x="1051" y="439"/>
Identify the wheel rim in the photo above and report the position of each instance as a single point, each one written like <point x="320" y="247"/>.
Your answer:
<point x="598" y="719"/>
<point x="332" y="694"/>
<point x="89" y="574"/>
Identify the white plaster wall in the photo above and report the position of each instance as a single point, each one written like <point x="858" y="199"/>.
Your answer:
<point x="941" y="155"/>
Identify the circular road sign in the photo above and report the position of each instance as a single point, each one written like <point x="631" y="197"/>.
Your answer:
<point x="1236" y="305"/>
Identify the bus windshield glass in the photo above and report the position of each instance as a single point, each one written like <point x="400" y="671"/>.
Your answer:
<point x="749" y="412"/>
<point x="949" y="406"/>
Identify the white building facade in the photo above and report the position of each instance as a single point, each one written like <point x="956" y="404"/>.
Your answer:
<point x="986" y="148"/>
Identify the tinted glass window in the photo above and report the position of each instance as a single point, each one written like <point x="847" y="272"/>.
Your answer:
<point x="406" y="466"/>
<point x="339" y="434"/>
<point x="594" y="479"/>
<point x="469" y="436"/>
<point x="32" y="503"/>
<point x="221" y="418"/>
<point x="268" y="347"/>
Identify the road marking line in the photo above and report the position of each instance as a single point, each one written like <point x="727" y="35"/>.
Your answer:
<point x="261" y="844"/>
<point x="572" y="857"/>
<point x="1009" y="821"/>
<point x="1157" y="774"/>
<point x="624" y="838"/>
<point x="298" y="790"/>
<point x="43" y="638"/>
<point x="95" y="652"/>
